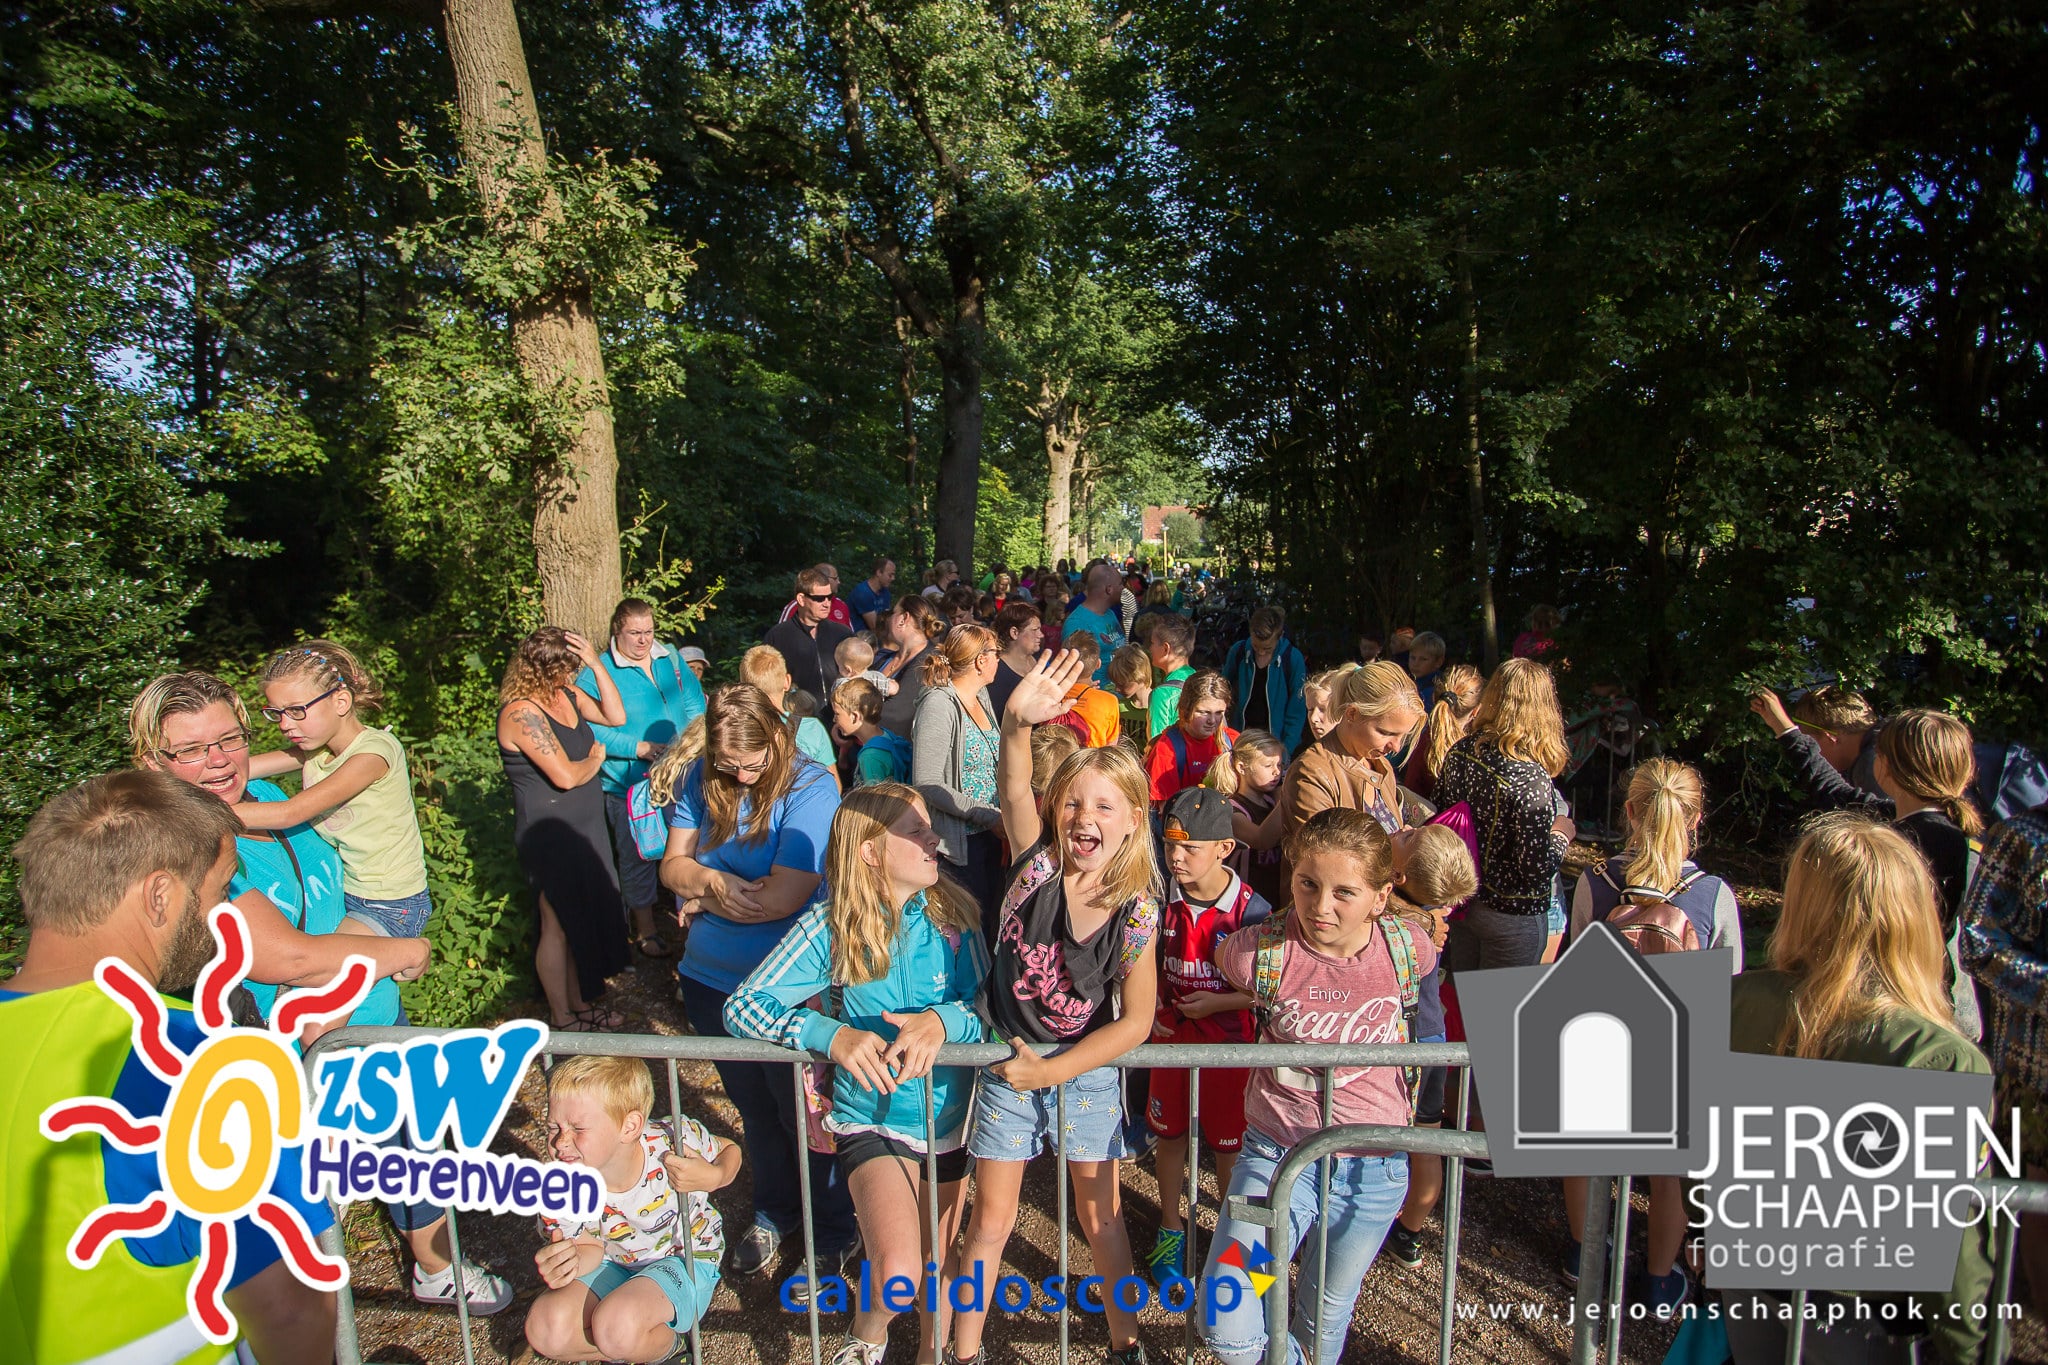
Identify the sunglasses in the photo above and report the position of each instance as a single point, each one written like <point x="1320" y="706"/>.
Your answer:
<point x="274" y="714"/>
<point x="818" y="596"/>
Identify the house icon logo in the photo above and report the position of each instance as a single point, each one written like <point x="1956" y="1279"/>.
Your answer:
<point x="1600" y="1054"/>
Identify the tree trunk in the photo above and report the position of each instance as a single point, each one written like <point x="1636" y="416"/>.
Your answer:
<point x="1062" y="444"/>
<point x="960" y="354"/>
<point x="1475" y="477"/>
<point x="554" y="336"/>
<point x="906" y="391"/>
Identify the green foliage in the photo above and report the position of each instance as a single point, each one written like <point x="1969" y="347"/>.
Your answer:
<point x="482" y="923"/>
<point x="99" y="534"/>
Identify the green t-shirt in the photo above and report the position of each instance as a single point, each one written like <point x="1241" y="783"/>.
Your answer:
<point x="1166" y="702"/>
<point x="812" y="741"/>
<point x="375" y="831"/>
<point x="1761" y="1003"/>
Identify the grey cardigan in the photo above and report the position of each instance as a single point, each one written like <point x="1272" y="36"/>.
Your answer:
<point x="938" y="750"/>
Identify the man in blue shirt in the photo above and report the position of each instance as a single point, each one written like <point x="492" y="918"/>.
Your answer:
<point x="1098" y="614"/>
<point x="869" y="598"/>
<point x="662" y="696"/>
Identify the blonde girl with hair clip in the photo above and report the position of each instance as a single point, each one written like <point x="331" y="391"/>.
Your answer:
<point x="897" y="957"/>
<point x="1505" y="770"/>
<point x="1666" y="800"/>
<point x="1073" y="967"/>
<point x="1855" y="975"/>
<point x="1350" y="767"/>
<point x="355" y="788"/>
<point x="1433" y="875"/>
<point x="1926" y="763"/>
<point x="1249" y="773"/>
<point x="1457" y="702"/>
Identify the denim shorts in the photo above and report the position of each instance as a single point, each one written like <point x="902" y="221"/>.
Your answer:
<point x="688" y="1287"/>
<point x="405" y="918"/>
<point x="1014" y="1125"/>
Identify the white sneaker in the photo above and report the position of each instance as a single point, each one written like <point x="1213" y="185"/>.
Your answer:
<point x="858" y="1352"/>
<point x="486" y="1293"/>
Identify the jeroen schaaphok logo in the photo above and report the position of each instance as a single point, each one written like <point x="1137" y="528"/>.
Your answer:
<point x="1806" y="1174"/>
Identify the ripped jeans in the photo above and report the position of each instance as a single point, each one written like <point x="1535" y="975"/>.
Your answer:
<point x="1366" y="1193"/>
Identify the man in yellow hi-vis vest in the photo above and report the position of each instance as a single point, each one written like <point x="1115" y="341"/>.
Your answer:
<point x="123" y="866"/>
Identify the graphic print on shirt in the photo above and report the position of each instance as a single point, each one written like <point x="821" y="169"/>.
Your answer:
<point x="1334" y="1014"/>
<point x="1042" y="976"/>
<point x="639" y="1226"/>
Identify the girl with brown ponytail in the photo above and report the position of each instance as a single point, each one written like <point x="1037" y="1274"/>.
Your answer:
<point x="1926" y="763"/>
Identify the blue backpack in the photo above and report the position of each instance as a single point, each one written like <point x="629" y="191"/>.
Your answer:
<point x="2010" y="778"/>
<point x="897" y="750"/>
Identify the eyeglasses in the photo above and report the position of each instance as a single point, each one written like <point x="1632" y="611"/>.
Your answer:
<point x="818" y="596"/>
<point x="274" y="714"/>
<point x="754" y="769"/>
<point x="185" y="755"/>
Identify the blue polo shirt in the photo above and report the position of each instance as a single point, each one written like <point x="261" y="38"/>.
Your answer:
<point x="863" y="599"/>
<point x="719" y="952"/>
<point x="657" y="710"/>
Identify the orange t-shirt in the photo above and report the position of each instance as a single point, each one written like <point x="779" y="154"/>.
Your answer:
<point x="1098" y="713"/>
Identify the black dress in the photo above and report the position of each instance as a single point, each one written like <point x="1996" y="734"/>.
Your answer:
<point x="565" y="850"/>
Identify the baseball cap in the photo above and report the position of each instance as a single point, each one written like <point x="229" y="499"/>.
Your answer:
<point x="1198" y="815"/>
<point x="693" y="655"/>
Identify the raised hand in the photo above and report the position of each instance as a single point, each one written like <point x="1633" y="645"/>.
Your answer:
<point x="1043" y="692"/>
<point x="1768" y="705"/>
<point x="584" y="649"/>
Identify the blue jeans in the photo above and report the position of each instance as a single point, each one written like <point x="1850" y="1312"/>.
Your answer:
<point x="405" y="918"/>
<point x="1366" y="1193"/>
<point x="772" y="1131"/>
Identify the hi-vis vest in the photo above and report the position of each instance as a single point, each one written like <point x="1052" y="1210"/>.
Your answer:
<point x="61" y="1045"/>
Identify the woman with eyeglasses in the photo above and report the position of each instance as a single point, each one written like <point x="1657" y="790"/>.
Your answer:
<point x="288" y="885"/>
<point x="552" y="758"/>
<point x="953" y="748"/>
<point x="746" y="856"/>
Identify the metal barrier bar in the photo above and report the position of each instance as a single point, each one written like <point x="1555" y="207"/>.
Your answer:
<point x="1603" y="1209"/>
<point x="803" y="1185"/>
<point x="1592" y="1272"/>
<point x="1454" y="1210"/>
<point x="1619" y="1235"/>
<point x="1273" y="1212"/>
<point x="1191" y="1247"/>
<point x="1060" y="1185"/>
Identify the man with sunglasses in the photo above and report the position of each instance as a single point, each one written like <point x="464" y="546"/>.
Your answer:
<point x="841" y="612"/>
<point x="807" y="637"/>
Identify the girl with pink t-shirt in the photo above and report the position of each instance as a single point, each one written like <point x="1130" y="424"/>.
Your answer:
<point x="1338" y="982"/>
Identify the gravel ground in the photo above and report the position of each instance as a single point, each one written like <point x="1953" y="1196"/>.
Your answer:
<point x="1512" y="1234"/>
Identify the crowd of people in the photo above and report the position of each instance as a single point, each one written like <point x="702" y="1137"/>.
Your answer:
<point x="1024" y="812"/>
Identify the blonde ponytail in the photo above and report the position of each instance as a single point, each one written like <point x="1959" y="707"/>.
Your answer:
<point x="1665" y="798"/>
<point x="1929" y="755"/>
<point x="1457" y="701"/>
<point x="667" y="773"/>
<point x="1223" y="775"/>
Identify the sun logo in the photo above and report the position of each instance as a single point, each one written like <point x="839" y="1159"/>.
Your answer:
<point x="236" y="1101"/>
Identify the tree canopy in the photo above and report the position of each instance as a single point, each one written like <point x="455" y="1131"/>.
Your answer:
<point x="1719" y="327"/>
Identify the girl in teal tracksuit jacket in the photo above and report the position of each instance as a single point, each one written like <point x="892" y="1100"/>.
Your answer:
<point x="896" y="958"/>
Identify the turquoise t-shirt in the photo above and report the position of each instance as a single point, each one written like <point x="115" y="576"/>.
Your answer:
<point x="305" y="886"/>
<point x="814" y="741"/>
<point x="720" y="953"/>
<point x="1106" y="627"/>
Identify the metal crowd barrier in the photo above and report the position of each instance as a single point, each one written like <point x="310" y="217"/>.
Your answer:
<point x="1599" y="1299"/>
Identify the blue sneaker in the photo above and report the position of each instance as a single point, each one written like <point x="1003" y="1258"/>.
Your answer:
<point x="1167" y="1257"/>
<point x="1666" y="1294"/>
<point x="1568" y="1266"/>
